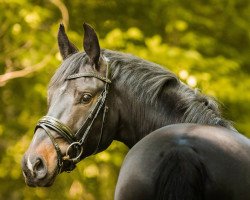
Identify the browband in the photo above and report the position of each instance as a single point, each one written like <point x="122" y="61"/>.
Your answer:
<point x="89" y="74"/>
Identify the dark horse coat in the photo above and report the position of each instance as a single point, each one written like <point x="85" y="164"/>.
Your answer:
<point x="187" y="162"/>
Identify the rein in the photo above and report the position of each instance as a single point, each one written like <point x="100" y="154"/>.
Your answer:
<point x="77" y="140"/>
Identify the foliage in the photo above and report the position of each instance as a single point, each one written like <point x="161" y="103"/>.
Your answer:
<point x="205" y="43"/>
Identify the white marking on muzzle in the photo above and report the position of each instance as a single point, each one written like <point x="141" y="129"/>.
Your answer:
<point x="29" y="165"/>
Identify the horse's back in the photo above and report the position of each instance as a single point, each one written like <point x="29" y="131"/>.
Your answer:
<point x="210" y="161"/>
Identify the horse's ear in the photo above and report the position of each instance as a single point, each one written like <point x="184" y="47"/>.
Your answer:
<point x="91" y="45"/>
<point x="65" y="46"/>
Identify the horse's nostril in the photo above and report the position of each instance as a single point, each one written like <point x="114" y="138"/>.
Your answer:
<point x="40" y="170"/>
<point x="38" y="165"/>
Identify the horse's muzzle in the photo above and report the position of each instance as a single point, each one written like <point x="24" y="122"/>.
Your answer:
<point x="35" y="171"/>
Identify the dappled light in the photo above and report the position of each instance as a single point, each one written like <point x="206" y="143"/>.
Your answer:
<point x="206" y="44"/>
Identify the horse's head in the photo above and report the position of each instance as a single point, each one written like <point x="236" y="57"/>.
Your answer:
<point x="74" y="126"/>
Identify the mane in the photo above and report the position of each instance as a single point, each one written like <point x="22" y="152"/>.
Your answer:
<point x="199" y="108"/>
<point x="160" y="87"/>
<point x="136" y="73"/>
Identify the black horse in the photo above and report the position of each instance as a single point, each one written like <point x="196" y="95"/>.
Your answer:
<point x="187" y="162"/>
<point x="99" y="96"/>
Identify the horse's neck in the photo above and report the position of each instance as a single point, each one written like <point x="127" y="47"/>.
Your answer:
<point x="149" y="97"/>
<point x="139" y="119"/>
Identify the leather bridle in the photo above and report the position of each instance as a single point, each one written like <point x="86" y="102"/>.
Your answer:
<point x="76" y="141"/>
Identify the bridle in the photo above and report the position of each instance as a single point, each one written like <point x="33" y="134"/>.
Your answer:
<point x="76" y="141"/>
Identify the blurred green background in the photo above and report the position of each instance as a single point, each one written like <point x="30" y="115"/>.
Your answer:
<point x="206" y="43"/>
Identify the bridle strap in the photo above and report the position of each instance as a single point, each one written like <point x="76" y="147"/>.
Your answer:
<point x="91" y="118"/>
<point x="102" y="126"/>
<point x="105" y="93"/>
<point x="58" y="126"/>
<point x="89" y="74"/>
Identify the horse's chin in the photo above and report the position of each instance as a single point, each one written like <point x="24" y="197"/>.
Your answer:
<point x="39" y="184"/>
<point x="47" y="181"/>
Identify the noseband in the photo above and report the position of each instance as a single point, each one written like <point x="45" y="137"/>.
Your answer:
<point x="77" y="140"/>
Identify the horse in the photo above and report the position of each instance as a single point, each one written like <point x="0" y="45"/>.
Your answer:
<point x="98" y="96"/>
<point x="187" y="162"/>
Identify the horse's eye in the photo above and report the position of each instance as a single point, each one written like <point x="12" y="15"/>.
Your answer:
<point x="86" y="98"/>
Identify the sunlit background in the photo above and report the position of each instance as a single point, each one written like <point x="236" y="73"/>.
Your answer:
<point x="206" y="43"/>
